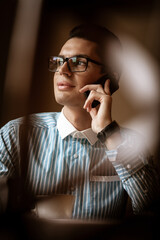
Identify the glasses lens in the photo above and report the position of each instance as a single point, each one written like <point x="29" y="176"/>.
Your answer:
<point x="54" y="63"/>
<point x="77" y="64"/>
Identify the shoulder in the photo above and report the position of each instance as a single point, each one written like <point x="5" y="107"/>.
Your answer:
<point x="43" y="120"/>
<point x="39" y="120"/>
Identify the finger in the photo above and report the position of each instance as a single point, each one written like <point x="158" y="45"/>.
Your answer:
<point x="94" y="95"/>
<point x="107" y="87"/>
<point x="93" y="112"/>
<point x="90" y="87"/>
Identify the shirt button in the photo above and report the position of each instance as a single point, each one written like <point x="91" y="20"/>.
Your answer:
<point x="75" y="155"/>
<point x="128" y="166"/>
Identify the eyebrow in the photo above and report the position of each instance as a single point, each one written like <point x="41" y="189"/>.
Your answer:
<point x="79" y="55"/>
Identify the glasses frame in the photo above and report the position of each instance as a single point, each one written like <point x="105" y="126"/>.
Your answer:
<point x="67" y="60"/>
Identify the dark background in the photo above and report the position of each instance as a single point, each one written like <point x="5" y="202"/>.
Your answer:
<point x="138" y="20"/>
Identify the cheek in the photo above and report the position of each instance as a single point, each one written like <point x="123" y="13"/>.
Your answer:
<point x="54" y="77"/>
<point x="92" y="78"/>
<point x="54" y="81"/>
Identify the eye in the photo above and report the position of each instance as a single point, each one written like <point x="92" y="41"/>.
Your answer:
<point x="81" y="62"/>
<point x="77" y="64"/>
<point x="60" y="62"/>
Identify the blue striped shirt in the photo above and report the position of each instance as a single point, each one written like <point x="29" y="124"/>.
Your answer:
<point x="81" y="166"/>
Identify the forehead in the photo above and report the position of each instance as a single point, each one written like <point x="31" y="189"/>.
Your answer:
<point x="77" y="46"/>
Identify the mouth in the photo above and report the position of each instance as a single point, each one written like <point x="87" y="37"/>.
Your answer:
<point x="64" y="86"/>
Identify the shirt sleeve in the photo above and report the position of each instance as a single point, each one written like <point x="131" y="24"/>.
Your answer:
<point x="136" y="170"/>
<point x="8" y="150"/>
<point x="8" y="161"/>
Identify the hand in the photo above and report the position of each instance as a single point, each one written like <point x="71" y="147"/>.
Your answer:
<point x="101" y="115"/>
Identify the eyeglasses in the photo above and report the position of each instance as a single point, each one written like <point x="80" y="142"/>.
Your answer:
<point x="75" y="64"/>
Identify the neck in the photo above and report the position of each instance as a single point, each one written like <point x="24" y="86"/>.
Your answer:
<point x="79" y="118"/>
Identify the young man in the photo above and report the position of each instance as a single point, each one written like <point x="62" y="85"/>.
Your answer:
<point x="82" y="151"/>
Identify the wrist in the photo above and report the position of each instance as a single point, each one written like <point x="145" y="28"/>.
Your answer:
<point x="107" y="131"/>
<point x="103" y="125"/>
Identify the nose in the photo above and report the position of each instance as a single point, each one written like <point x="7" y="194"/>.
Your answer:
<point x="65" y="70"/>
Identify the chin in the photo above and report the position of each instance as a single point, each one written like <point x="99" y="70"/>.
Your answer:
<point x="69" y="102"/>
<point x="60" y="101"/>
<point x="68" y="99"/>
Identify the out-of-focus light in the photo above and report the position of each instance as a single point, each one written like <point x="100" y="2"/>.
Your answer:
<point x="141" y="74"/>
<point x="140" y="88"/>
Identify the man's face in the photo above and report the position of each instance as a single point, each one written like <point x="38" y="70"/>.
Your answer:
<point x="66" y="83"/>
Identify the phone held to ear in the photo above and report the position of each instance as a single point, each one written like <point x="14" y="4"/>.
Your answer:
<point x="102" y="82"/>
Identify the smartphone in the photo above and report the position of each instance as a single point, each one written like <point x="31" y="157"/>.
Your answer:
<point x="113" y="87"/>
<point x="101" y="81"/>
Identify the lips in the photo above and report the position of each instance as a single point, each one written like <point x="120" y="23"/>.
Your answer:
<point x="64" y="85"/>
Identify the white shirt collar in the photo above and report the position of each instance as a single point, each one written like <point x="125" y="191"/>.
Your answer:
<point x="65" y="129"/>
